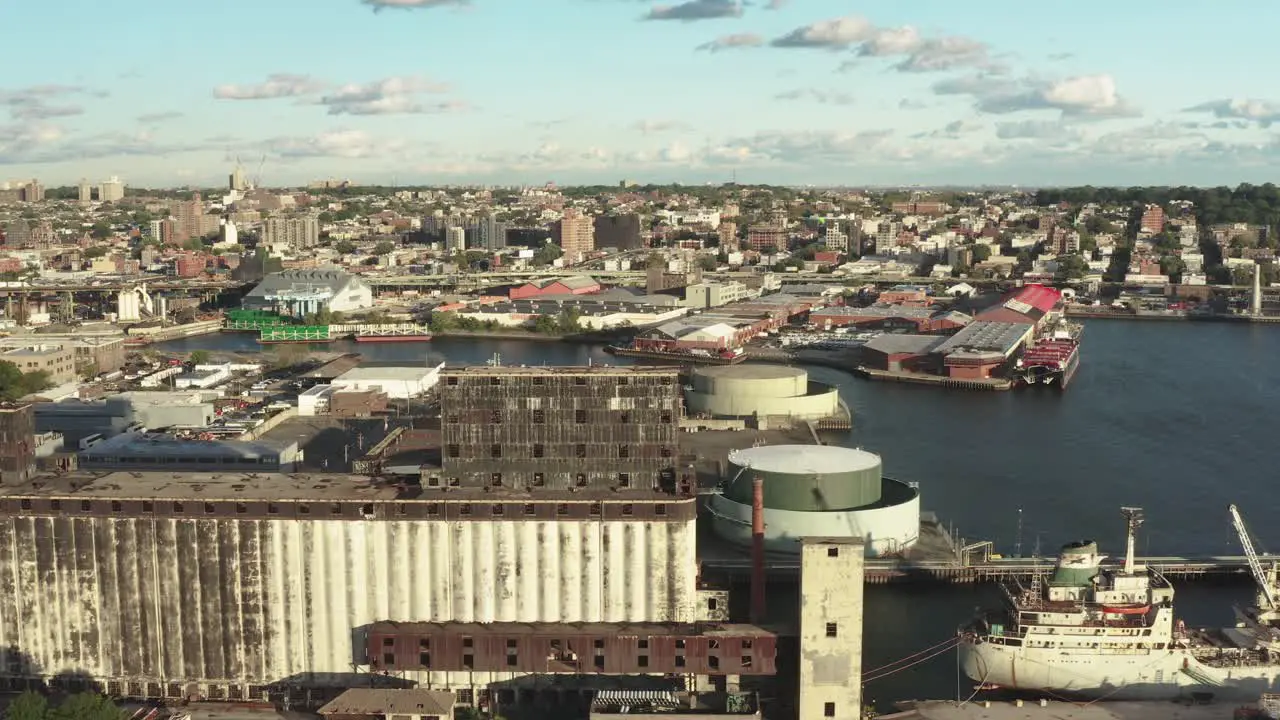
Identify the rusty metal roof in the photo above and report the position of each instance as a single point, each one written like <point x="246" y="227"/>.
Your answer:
<point x="381" y="702"/>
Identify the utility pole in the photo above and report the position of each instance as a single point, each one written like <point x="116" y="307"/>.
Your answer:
<point x="1017" y="546"/>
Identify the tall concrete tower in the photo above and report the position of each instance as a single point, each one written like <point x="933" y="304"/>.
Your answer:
<point x="85" y="191"/>
<point x="831" y="628"/>
<point x="1255" y="304"/>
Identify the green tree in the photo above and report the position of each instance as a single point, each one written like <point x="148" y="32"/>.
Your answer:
<point x="708" y="262"/>
<point x="1173" y="266"/>
<point x="981" y="252"/>
<point x="344" y="247"/>
<point x="547" y="254"/>
<point x="1071" y="267"/>
<point x="443" y="321"/>
<point x="546" y="325"/>
<point x="27" y="706"/>
<point x="96" y="251"/>
<point x="199" y="357"/>
<point x="100" y="230"/>
<point x="570" y="320"/>
<point x="383" y="247"/>
<point x="86" y="706"/>
<point x="15" y="384"/>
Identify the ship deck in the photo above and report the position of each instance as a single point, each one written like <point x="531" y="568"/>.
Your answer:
<point x="1058" y="710"/>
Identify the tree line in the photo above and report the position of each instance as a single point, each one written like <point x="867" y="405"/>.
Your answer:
<point x="1245" y="203"/>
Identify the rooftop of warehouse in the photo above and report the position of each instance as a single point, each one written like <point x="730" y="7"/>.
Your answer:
<point x="285" y="487"/>
<point x="409" y="702"/>
<point x="370" y="371"/>
<point x="985" y="335"/>
<point x="876" y="311"/>
<point x="155" y="445"/>
<point x="894" y="344"/>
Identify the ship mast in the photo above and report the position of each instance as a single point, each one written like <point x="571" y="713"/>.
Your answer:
<point x="1133" y="517"/>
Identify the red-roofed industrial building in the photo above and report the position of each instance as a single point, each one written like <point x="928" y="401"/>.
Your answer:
<point x="1030" y="305"/>
<point x="575" y="285"/>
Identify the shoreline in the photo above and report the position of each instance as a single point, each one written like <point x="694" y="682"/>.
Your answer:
<point x="1170" y="317"/>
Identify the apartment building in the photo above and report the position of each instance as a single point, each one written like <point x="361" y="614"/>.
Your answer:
<point x="575" y="234"/>
<point x="295" y="233"/>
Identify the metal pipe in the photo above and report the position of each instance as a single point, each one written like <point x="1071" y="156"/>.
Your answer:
<point x="757" y="549"/>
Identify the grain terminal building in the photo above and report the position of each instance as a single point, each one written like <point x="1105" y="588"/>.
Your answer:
<point x="571" y="553"/>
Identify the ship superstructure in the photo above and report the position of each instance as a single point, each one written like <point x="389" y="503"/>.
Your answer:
<point x="1090" y="630"/>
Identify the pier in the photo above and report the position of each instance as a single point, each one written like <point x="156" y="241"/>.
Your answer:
<point x="881" y="571"/>
<point x="936" y="380"/>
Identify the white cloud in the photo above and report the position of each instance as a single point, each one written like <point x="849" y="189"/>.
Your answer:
<point x="389" y="96"/>
<point x="34" y="102"/>
<point x="835" y="34"/>
<point x="891" y="41"/>
<point x="1262" y="112"/>
<point x="159" y="117"/>
<point x="1052" y="130"/>
<point x="379" y="5"/>
<point x="649" y="127"/>
<point x="818" y="95"/>
<point x="1080" y="97"/>
<point x="693" y="10"/>
<point x="734" y="41"/>
<point x="344" y="143"/>
<point x="277" y="85"/>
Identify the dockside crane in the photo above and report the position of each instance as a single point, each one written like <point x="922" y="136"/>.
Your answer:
<point x="1265" y="588"/>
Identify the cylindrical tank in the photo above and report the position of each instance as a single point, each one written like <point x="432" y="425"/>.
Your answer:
<point x="809" y="478"/>
<point x="751" y="381"/>
<point x="1077" y="564"/>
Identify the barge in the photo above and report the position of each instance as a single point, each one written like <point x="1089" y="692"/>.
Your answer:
<point x="1051" y="363"/>
<point x="696" y="357"/>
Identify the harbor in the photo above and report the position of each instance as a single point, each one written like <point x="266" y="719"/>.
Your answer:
<point x="892" y="582"/>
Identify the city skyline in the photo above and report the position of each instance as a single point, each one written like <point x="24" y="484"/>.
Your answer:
<point x="585" y="91"/>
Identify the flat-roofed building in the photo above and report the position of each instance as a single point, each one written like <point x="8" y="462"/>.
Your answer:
<point x="57" y="361"/>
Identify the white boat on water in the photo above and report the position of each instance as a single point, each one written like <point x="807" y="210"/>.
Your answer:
<point x="1084" y="630"/>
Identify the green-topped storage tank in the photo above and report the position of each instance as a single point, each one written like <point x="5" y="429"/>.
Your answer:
<point x="808" y="478"/>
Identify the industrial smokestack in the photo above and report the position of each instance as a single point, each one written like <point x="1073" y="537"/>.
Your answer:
<point x="757" y="549"/>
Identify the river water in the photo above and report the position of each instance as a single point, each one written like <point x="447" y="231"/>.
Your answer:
<point x="1176" y="418"/>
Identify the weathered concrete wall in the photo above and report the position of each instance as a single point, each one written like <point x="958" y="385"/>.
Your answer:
<point x="831" y="573"/>
<point x="259" y="601"/>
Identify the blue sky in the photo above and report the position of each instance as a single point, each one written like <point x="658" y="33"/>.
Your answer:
<point x="171" y="92"/>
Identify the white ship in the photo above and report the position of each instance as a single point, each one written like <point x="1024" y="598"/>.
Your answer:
<point x="1088" y="631"/>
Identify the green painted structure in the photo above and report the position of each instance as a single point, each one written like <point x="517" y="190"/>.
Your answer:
<point x="254" y="320"/>
<point x="807" y="478"/>
<point x="295" y="333"/>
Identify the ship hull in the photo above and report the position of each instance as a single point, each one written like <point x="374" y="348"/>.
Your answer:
<point x="391" y="338"/>
<point x="1136" y="675"/>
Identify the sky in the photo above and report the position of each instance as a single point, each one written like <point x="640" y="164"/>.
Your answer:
<point x="825" y="92"/>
